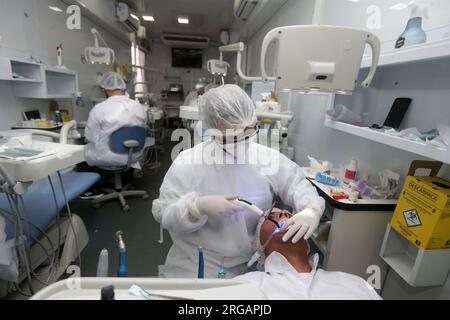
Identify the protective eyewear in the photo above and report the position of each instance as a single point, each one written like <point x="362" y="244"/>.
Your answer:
<point x="245" y="135"/>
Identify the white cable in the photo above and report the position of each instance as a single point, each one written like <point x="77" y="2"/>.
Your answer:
<point x="58" y="219"/>
<point x="51" y="261"/>
<point x="70" y="217"/>
<point x="20" y="242"/>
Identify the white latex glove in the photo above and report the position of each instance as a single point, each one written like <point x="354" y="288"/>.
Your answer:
<point x="213" y="206"/>
<point x="303" y="224"/>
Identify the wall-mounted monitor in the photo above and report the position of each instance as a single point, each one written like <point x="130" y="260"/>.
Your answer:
<point x="187" y="58"/>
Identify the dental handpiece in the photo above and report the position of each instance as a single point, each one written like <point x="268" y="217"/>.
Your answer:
<point x="122" y="270"/>
<point x="248" y="205"/>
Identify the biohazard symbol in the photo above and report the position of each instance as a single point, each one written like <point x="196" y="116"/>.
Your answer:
<point x="412" y="218"/>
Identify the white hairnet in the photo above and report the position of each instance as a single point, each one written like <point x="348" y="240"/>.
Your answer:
<point x="113" y="81"/>
<point x="227" y="107"/>
<point x="201" y="83"/>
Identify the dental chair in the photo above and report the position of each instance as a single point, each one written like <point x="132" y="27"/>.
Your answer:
<point x="50" y="231"/>
<point x="126" y="140"/>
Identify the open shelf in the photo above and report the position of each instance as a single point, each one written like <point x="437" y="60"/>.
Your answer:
<point x="422" y="149"/>
<point x="38" y="81"/>
<point x="58" y="96"/>
<point x="418" y="267"/>
<point x="21" y="71"/>
<point x="320" y="236"/>
<point x="60" y="83"/>
<point x="320" y="244"/>
<point x="57" y="83"/>
<point x="25" y="80"/>
<point x="426" y="51"/>
<point x="29" y="71"/>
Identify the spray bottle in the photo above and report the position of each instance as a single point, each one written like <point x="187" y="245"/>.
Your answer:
<point x="122" y="271"/>
<point x="414" y="34"/>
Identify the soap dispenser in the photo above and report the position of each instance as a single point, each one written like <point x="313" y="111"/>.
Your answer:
<point x="414" y="34"/>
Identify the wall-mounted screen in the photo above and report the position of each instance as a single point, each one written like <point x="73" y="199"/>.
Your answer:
<point x="187" y="58"/>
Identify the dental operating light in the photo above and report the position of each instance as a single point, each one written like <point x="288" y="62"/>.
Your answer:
<point x="97" y="54"/>
<point x="314" y="57"/>
<point x="217" y="67"/>
<point x="319" y="58"/>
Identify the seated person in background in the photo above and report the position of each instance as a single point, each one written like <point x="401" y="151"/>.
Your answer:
<point x="193" y="96"/>
<point x="290" y="275"/>
<point x="117" y="111"/>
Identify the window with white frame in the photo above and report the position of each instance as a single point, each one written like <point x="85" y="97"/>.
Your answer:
<point x="138" y="61"/>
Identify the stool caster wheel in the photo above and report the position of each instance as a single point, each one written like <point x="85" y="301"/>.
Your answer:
<point x="126" y="208"/>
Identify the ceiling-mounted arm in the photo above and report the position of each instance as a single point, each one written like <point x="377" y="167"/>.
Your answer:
<point x="318" y="12"/>
<point x="239" y="47"/>
<point x="98" y="36"/>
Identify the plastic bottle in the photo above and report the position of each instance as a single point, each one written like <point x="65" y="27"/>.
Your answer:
<point x="350" y="171"/>
<point x="58" y="118"/>
<point x="414" y="33"/>
<point x="343" y="114"/>
<point x="102" y="267"/>
<point x="53" y="107"/>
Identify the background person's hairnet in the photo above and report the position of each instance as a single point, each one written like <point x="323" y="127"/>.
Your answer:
<point x="113" y="81"/>
<point x="201" y="83"/>
<point x="227" y="107"/>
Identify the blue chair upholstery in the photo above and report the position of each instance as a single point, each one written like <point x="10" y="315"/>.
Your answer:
<point x="121" y="135"/>
<point x="119" y="142"/>
<point x="39" y="201"/>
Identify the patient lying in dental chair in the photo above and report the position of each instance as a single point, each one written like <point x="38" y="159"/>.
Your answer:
<point x="289" y="274"/>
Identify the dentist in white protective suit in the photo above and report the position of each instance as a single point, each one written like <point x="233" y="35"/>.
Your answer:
<point x="194" y="202"/>
<point x="117" y="111"/>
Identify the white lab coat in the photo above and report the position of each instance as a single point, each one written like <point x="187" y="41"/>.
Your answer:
<point x="227" y="241"/>
<point x="281" y="281"/>
<point x="105" y="118"/>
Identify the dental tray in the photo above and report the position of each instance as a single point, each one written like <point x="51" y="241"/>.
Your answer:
<point x="198" y="289"/>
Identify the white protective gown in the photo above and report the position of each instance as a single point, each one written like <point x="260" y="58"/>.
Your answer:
<point x="281" y="281"/>
<point x="105" y="118"/>
<point x="227" y="241"/>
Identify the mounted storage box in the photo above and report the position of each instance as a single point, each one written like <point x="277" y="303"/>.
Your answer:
<point x="416" y="242"/>
<point x="422" y="214"/>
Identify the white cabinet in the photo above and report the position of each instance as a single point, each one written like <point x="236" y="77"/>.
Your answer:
<point x="32" y="80"/>
<point x="57" y="83"/>
<point x="351" y="241"/>
<point x="417" y="266"/>
<point x="20" y="71"/>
